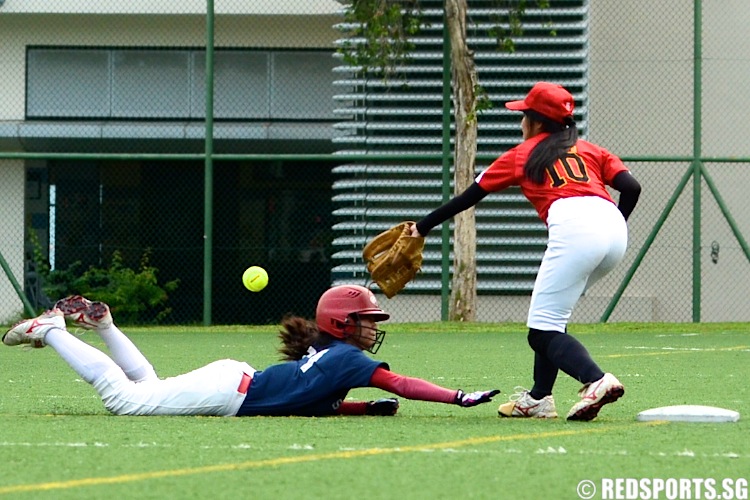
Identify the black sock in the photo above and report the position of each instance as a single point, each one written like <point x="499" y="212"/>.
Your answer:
<point x="556" y="350"/>
<point x="545" y="372"/>
<point x="569" y="355"/>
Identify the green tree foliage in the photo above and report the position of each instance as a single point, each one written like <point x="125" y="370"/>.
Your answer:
<point x="509" y="26"/>
<point x="378" y="31"/>
<point x="134" y="295"/>
<point x="378" y="34"/>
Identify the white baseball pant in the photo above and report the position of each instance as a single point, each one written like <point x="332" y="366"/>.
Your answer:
<point x="588" y="237"/>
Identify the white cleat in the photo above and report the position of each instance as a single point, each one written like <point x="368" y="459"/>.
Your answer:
<point x="595" y="395"/>
<point x="32" y="331"/>
<point x="84" y="313"/>
<point x="522" y="405"/>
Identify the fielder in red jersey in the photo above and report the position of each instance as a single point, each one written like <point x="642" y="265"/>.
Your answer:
<point x="584" y="170"/>
<point x="565" y="178"/>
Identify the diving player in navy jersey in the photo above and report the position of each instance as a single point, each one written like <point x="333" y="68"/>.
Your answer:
<point x="324" y="360"/>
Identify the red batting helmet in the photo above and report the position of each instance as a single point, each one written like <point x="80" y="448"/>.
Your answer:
<point x="340" y="306"/>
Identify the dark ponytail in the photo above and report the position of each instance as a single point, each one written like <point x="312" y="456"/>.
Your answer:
<point x="297" y="335"/>
<point x="562" y="137"/>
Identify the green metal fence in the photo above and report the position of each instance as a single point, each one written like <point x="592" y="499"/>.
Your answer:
<point x="214" y="137"/>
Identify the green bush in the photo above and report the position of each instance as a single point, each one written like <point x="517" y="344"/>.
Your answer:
<point x="134" y="296"/>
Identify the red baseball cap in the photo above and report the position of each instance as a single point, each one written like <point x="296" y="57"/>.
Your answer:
<point x="548" y="99"/>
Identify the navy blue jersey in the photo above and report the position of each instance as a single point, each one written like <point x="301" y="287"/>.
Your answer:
<point x="313" y="386"/>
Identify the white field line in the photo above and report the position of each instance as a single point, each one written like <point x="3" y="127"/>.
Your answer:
<point x="660" y="351"/>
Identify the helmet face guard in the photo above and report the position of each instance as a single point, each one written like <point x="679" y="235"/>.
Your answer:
<point x="379" y="336"/>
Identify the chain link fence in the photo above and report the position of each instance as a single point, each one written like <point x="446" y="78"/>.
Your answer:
<point x="104" y="162"/>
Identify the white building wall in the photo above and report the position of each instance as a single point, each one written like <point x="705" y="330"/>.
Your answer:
<point x="149" y="31"/>
<point x="169" y="7"/>
<point x="12" y="230"/>
<point x="640" y="97"/>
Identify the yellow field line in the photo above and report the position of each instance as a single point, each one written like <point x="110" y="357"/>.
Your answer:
<point x="662" y="352"/>
<point x="274" y="462"/>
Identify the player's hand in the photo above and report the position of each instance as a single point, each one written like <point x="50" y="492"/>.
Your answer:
<point x="474" y="398"/>
<point x="382" y="407"/>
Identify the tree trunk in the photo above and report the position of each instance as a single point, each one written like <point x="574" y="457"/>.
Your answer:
<point x="464" y="78"/>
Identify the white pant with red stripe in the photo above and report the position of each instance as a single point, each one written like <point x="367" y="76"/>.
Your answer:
<point x="211" y="390"/>
<point x="128" y="384"/>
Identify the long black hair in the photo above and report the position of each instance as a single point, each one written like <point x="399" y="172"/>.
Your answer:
<point x="297" y="335"/>
<point x="562" y="137"/>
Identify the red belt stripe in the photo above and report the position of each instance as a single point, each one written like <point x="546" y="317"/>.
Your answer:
<point x="244" y="383"/>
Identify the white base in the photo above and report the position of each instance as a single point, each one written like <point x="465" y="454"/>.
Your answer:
<point x="689" y="413"/>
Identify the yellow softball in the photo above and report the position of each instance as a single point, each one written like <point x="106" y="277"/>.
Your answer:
<point x="255" y="278"/>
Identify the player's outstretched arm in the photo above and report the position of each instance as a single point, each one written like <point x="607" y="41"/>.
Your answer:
<point x="419" y="389"/>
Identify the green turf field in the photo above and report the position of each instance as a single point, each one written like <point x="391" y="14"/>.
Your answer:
<point x="57" y="441"/>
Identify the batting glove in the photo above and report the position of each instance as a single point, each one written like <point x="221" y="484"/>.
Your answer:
<point x="383" y="407"/>
<point x="474" y="398"/>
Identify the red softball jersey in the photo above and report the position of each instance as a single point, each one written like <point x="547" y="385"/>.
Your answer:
<point x="585" y="170"/>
